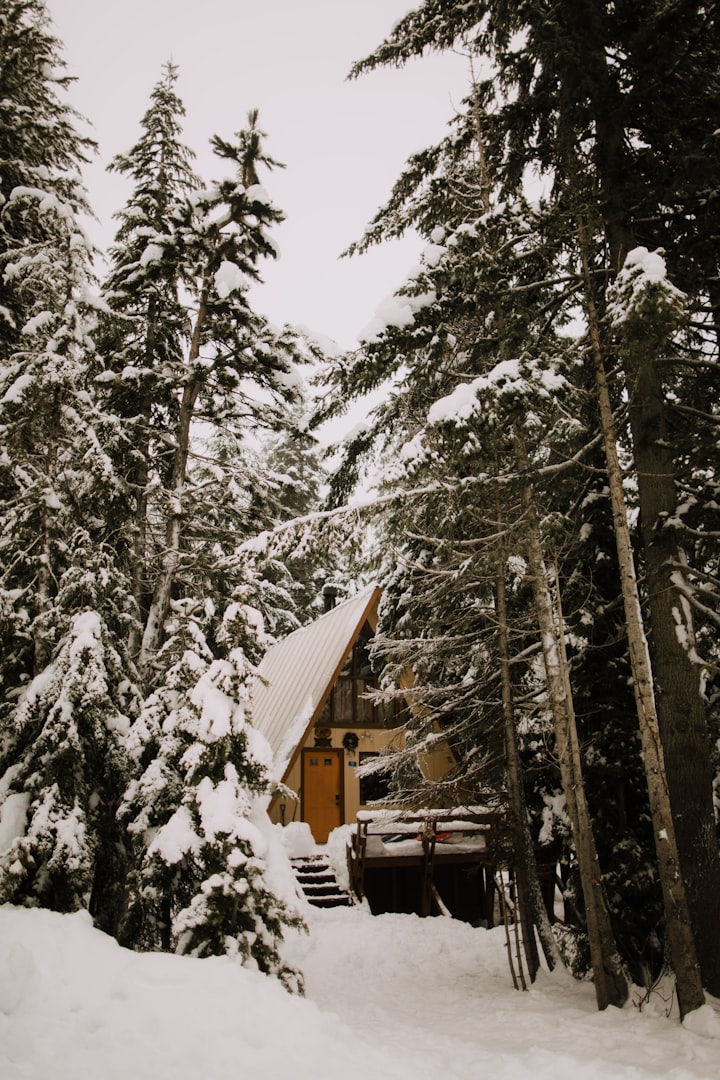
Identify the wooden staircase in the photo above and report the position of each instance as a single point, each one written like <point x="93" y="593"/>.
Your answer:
<point x="316" y="880"/>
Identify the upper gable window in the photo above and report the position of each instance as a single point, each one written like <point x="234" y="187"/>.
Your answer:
<point x="348" y="706"/>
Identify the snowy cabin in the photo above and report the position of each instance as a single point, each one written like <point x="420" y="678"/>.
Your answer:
<point x="311" y="704"/>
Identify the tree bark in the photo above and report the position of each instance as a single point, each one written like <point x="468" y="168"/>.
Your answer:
<point x="681" y="709"/>
<point x="680" y="706"/>
<point x="677" y="915"/>
<point x="162" y="592"/>
<point x="530" y="901"/>
<point x="610" y="983"/>
<point x="139" y="479"/>
<point x="41" y="649"/>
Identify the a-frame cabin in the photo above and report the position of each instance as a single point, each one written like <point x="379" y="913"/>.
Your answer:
<point x="310" y="703"/>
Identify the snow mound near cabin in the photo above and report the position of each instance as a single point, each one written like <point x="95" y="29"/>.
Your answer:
<point x="394" y="997"/>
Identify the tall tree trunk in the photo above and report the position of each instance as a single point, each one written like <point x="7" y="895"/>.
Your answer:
<point x="139" y="480"/>
<point x="529" y="894"/>
<point x="610" y="983"/>
<point x="43" y="588"/>
<point x="162" y="592"/>
<point x="681" y="708"/>
<point x="680" y="936"/>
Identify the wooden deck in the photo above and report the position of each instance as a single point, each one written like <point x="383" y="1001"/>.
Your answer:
<point x="428" y="861"/>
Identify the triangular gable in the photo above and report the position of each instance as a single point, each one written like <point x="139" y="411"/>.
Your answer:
<point x="297" y="674"/>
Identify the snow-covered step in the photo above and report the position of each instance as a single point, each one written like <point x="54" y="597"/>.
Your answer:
<point x="317" y="881"/>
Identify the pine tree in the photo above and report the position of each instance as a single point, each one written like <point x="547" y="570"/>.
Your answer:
<point x="144" y="339"/>
<point x="236" y="494"/>
<point x="46" y="350"/>
<point x="474" y="320"/>
<point x="199" y="884"/>
<point x="226" y="497"/>
<point x="68" y="685"/>
<point x="64" y="764"/>
<point x="221" y="364"/>
<point x="41" y="153"/>
<point x="580" y="81"/>
<point x="304" y="558"/>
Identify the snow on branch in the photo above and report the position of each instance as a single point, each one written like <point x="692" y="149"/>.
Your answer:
<point x="643" y="291"/>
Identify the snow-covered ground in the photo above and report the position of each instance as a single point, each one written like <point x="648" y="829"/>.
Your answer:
<point x="388" y="997"/>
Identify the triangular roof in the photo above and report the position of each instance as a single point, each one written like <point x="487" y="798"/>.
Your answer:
<point x="297" y="674"/>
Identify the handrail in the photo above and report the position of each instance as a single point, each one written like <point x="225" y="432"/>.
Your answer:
<point x="462" y="819"/>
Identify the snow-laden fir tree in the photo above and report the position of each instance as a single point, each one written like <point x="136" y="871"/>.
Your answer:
<point x="474" y="367"/>
<point x="197" y="812"/>
<point x="237" y="369"/>
<point x="67" y="689"/>
<point x="411" y="204"/>
<point x="581" y="82"/>
<point x="256" y="485"/>
<point x="191" y="354"/>
<point x="47" y="363"/>
<point x="63" y="760"/>
<point x="295" y="477"/>
<point x="638" y="99"/>
<point x="143" y="339"/>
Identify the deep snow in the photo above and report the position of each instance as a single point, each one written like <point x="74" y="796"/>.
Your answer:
<point x="393" y="996"/>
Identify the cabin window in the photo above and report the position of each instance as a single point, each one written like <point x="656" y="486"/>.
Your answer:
<point x="347" y="705"/>
<point x="373" y="788"/>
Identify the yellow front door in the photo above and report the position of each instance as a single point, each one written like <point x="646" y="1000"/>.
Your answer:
<point x="322" y="791"/>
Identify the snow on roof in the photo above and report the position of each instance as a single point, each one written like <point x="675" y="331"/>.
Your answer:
<point x="296" y="673"/>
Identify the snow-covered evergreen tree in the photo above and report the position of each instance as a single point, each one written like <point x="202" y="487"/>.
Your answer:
<point x="584" y="98"/>
<point x="457" y="292"/>
<point x="67" y="688"/>
<point x="198" y="808"/>
<point x="573" y="100"/>
<point x="63" y="761"/>
<point x="302" y="557"/>
<point x="236" y="366"/>
<point x="190" y="351"/>
<point x="236" y="494"/>
<point x="47" y="361"/>
<point x="143" y="339"/>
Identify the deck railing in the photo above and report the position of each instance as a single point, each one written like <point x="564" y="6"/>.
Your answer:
<point x="426" y="826"/>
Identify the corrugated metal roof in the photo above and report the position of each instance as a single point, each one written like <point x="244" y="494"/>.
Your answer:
<point x="296" y="673"/>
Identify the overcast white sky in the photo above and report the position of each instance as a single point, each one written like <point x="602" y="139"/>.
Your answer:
<point x="344" y="143"/>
